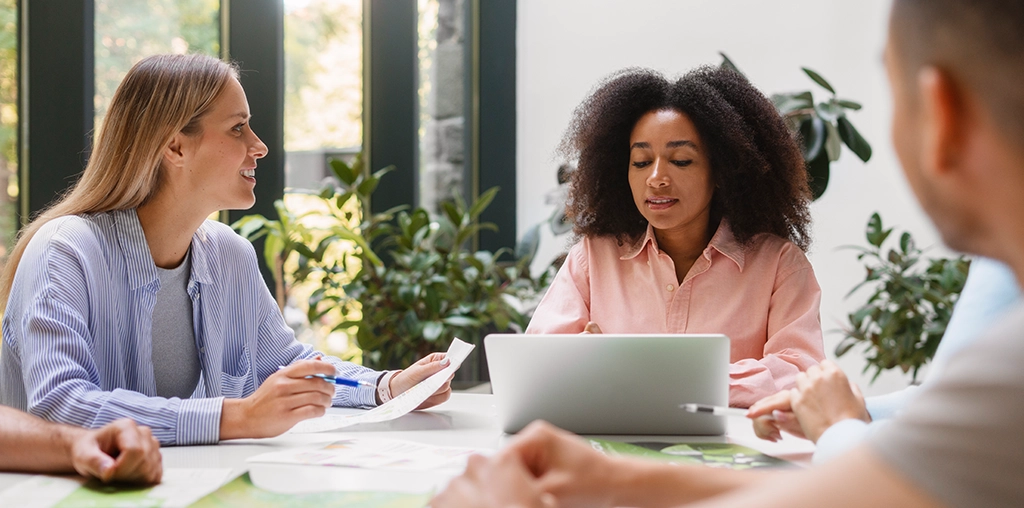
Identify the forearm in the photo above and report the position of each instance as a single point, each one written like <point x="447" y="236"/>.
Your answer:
<point x="653" y="484"/>
<point x="234" y="421"/>
<point x="31" y="444"/>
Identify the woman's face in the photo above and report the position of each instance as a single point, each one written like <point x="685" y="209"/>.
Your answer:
<point x="222" y="159"/>
<point x="669" y="173"/>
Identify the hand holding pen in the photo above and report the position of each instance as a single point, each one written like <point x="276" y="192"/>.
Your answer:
<point x="338" y="380"/>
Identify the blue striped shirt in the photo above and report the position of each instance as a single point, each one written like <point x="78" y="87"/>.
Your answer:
<point x="77" y="334"/>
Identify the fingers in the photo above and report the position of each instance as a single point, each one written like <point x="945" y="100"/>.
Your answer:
<point x="137" y="451"/>
<point x="779" y="401"/>
<point x="592" y="327"/>
<point x="764" y="428"/>
<point x="303" y="368"/>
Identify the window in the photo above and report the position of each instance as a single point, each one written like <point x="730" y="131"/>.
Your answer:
<point x="323" y="103"/>
<point x="128" y="30"/>
<point x="8" y="124"/>
<point x="442" y="108"/>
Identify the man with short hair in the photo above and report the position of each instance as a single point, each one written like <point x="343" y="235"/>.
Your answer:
<point x="120" y="451"/>
<point x="956" y="68"/>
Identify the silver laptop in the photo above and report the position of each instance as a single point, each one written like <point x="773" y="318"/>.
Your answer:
<point x="608" y="383"/>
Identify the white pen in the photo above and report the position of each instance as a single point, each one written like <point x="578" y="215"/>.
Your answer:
<point x="715" y="410"/>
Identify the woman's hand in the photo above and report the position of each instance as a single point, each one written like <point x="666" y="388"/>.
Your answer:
<point x="120" y="451"/>
<point x="284" y="399"/>
<point x="429" y="365"/>
<point x="592" y="328"/>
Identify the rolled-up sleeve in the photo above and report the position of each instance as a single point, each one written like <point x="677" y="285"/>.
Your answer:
<point x="794" y="341"/>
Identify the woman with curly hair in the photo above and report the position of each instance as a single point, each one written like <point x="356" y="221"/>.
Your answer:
<point x="690" y="198"/>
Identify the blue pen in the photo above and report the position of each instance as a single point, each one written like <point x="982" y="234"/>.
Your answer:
<point x="344" y="381"/>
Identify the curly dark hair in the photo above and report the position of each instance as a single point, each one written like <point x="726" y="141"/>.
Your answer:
<point x="756" y="165"/>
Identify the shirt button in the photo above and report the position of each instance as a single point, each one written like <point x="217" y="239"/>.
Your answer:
<point x="670" y="287"/>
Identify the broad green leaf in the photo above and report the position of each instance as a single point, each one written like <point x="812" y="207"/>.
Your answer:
<point x="529" y="243"/>
<point x="818" y="79"/>
<point x="853" y="139"/>
<point x="343" y="171"/>
<point x="432" y="330"/>
<point x="833" y="142"/>
<point x="812" y="134"/>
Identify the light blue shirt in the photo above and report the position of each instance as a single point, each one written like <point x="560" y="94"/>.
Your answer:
<point x="991" y="289"/>
<point x="77" y="334"/>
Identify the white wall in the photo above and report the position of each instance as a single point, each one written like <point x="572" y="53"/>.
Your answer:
<point x="566" y="46"/>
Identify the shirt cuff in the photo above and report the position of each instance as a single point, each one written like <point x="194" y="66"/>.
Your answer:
<point x="199" y="421"/>
<point x="362" y="396"/>
<point x="839" y="438"/>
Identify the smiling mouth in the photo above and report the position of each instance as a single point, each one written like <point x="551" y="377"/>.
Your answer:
<point x="249" y="173"/>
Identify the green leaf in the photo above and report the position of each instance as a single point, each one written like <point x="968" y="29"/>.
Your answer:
<point x="848" y="104"/>
<point x="833" y="142"/>
<point x="343" y="171"/>
<point x="818" y="79"/>
<point x="812" y="133"/>
<point x="906" y="242"/>
<point x="728" y="64"/>
<point x="528" y="244"/>
<point x="462" y="321"/>
<point x="853" y="139"/>
<point x="432" y="330"/>
<point x="482" y="202"/>
<point x="452" y="212"/>
<point x="818" y="173"/>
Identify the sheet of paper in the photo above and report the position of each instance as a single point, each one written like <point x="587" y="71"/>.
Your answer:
<point x="398" y="406"/>
<point x="179" y="487"/>
<point x="372" y="453"/>
<point x="362" y="464"/>
<point x="246" y="491"/>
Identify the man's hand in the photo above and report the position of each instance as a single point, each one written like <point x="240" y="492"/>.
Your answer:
<point x="774" y="414"/>
<point x="566" y="466"/>
<point x="500" y="481"/>
<point x="419" y="371"/>
<point x="284" y="399"/>
<point x="120" y="451"/>
<point x="823" y="397"/>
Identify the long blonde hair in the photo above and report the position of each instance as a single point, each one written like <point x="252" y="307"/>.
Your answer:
<point x="160" y="96"/>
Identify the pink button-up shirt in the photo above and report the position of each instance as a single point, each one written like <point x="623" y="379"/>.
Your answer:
<point x="764" y="297"/>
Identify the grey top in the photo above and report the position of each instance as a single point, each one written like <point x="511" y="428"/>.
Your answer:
<point x="962" y="438"/>
<point x="175" y="357"/>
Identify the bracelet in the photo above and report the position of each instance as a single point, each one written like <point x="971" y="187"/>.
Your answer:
<point x="384" y="386"/>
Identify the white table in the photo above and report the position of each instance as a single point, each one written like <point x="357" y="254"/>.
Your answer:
<point x="467" y="420"/>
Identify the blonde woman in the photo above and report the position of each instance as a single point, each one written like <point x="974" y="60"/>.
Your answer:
<point x="122" y="300"/>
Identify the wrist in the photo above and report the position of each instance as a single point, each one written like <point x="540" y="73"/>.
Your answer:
<point x="384" y="392"/>
<point x="234" y="420"/>
<point x="67" y="437"/>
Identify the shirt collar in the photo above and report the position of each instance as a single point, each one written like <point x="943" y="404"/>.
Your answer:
<point x="723" y="241"/>
<point x="141" y="269"/>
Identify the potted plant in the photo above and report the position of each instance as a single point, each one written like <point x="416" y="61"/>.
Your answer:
<point x="823" y="127"/>
<point x="405" y="283"/>
<point x="903" y="320"/>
